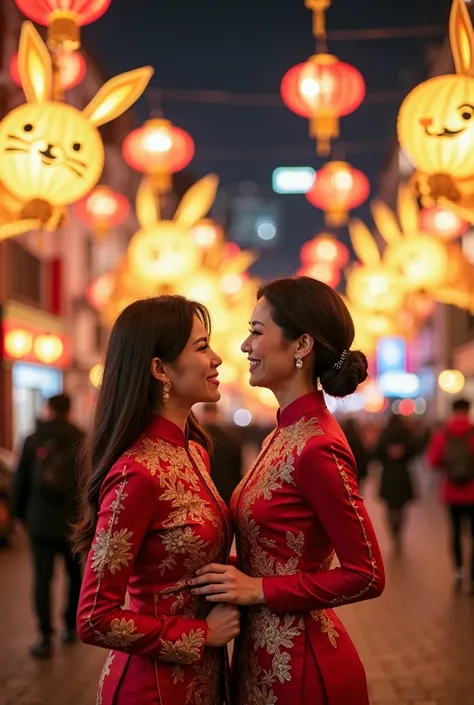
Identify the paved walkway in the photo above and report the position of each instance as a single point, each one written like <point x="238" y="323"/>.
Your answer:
<point x="417" y="640"/>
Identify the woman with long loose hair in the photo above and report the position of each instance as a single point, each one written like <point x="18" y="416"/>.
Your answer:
<point x="151" y="514"/>
<point x="296" y="509"/>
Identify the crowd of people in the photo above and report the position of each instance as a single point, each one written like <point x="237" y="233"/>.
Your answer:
<point x="132" y="511"/>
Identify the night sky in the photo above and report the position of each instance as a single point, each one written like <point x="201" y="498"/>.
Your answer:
<point x="247" y="46"/>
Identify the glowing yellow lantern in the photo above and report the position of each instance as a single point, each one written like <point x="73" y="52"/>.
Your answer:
<point x="162" y="252"/>
<point x="451" y="381"/>
<point x="232" y="283"/>
<point x="436" y="120"/>
<point x="48" y="348"/>
<point x="372" y="286"/>
<point x="18" y="343"/>
<point x="51" y="153"/>
<point x="95" y="375"/>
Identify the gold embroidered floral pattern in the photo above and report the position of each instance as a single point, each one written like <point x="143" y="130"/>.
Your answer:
<point x="204" y="689"/>
<point x="345" y="481"/>
<point x="103" y="676"/>
<point x="273" y="469"/>
<point x="111" y="551"/>
<point x="327" y="626"/>
<point x="185" y="650"/>
<point x="121" y="635"/>
<point x="181" y="486"/>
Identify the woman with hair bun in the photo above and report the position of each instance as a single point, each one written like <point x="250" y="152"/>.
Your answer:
<point x="296" y="509"/>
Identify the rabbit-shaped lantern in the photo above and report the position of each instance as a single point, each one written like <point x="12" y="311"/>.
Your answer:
<point x="372" y="286"/>
<point x="164" y="250"/>
<point x="420" y="258"/>
<point x="51" y="154"/>
<point x="436" y="125"/>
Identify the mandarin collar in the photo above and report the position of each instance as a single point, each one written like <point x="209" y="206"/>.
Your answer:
<point x="300" y="407"/>
<point x="160" y="427"/>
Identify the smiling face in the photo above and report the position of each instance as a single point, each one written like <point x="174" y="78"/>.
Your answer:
<point x="436" y="126"/>
<point x="194" y="376"/>
<point x="271" y="356"/>
<point x="49" y="152"/>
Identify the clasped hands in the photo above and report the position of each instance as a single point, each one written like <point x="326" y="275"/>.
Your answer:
<point x="225" y="583"/>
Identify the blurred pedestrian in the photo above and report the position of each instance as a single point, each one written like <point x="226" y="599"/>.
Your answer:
<point x="452" y="450"/>
<point x="396" y="448"/>
<point x="226" y="459"/>
<point x="354" y="435"/>
<point x="45" y="502"/>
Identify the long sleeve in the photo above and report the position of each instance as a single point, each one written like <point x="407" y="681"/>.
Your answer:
<point x="22" y="481"/>
<point x="128" y="505"/>
<point x="326" y="478"/>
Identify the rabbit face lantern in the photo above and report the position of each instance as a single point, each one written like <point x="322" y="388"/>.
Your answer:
<point x="164" y="250"/>
<point x="51" y="151"/>
<point x="436" y="120"/>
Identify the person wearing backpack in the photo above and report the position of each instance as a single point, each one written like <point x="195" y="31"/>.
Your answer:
<point x="452" y="451"/>
<point x="45" y="501"/>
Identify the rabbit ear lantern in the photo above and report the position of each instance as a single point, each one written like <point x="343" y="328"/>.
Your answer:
<point x="51" y="154"/>
<point x="164" y="250"/>
<point x="436" y="123"/>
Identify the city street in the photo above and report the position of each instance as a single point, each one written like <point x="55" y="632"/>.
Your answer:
<point x="417" y="641"/>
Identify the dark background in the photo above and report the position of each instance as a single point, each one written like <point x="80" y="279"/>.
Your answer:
<point x="246" y="47"/>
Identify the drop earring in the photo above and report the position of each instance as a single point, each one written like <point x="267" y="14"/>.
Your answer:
<point x="299" y="362"/>
<point x="166" y="391"/>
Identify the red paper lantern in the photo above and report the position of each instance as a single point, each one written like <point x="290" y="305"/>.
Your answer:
<point x="337" y="189"/>
<point x="323" y="89"/>
<point x="158" y="149"/>
<point x="102" y="209"/>
<point x="64" y="18"/>
<point x="72" y="67"/>
<point x="322" y="271"/>
<point x="443" y="222"/>
<point x="325" y="248"/>
<point x="99" y="292"/>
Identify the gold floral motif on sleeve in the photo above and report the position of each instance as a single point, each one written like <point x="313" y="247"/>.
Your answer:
<point x="122" y="634"/>
<point x="111" y="551"/>
<point x="186" y="650"/>
<point x="345" y="481"/>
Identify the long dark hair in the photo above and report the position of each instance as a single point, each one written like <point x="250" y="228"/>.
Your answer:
<point x="130" y="395"/>
<point x="304" y="305"/>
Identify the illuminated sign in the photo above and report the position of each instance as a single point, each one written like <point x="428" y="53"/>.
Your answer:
<point x="295" y="179"/>
<point x="399" y="384"/>
<point x="391" y="354"/>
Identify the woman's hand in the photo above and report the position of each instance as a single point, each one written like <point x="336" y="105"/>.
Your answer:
<point x="223" y="625"/>
<point x="224" y="583"/>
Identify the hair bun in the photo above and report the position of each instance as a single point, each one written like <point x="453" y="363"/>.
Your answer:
<point x="342" y="382"/>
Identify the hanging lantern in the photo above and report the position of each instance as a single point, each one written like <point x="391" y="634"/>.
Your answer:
<point x="100" y="291"/>
<point x="451" y="381"/>
<point x="158" y="149"/>
<point x="96" y="374"/>
<point x="375" y="288"/>
<point x="48" y="348"/>
<point x="102" y="209"/>
<point x="422" y="261"/>
<point x="322" y="271"/>
<point x="63" y="19"/>
<point x="338" y="188"/>
<point x="325" y="248"/>
<point x="442" y="222"/>
<point x="18" y="343"/>
<point x="72" y="69"/>
<point x="323" y="89"/>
